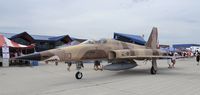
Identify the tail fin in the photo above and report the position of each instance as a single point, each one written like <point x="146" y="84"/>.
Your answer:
<point x="153" y="39"/>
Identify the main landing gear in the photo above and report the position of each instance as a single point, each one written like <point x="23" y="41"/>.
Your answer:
<point x="79" y="74"/>
<point x="154" y="67"/>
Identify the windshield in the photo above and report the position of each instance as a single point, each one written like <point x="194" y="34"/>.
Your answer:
<point x="101" y="41"/>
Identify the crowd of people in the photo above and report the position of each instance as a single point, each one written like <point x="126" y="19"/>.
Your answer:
<point x="174" y="57"/>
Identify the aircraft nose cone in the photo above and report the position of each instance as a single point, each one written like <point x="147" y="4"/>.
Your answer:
<point x="35" y="56"/>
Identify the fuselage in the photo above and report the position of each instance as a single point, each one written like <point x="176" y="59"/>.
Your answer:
<point x="104" y="49"/>
<point x="90" y="50"/>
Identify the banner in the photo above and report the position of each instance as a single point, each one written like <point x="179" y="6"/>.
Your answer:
<point x="5" y="51"/>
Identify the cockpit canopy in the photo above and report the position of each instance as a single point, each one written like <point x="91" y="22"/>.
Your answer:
<point x="101" y="41"/>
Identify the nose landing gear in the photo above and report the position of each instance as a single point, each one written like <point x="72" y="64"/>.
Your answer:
<point x="79" y="74"/>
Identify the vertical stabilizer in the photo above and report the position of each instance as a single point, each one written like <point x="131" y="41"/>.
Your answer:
<point x="153" y="39"/>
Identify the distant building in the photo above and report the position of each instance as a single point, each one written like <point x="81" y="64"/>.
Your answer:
<point x="41" y="42"/>
<point x="129" y="38"/>
<point x="184" y="46"/>
<point x="187" y="47"/>
<point x="164" y="46"/>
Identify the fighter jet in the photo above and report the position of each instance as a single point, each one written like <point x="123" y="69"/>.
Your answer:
<point x="121" y="55"/>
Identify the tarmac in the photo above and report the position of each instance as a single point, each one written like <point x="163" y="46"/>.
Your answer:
<point x="48" y="79"/>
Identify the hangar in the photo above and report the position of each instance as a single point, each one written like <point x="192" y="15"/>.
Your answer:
<point x="31" y="43"/>
<point x="42" y="42"/>
<point x="184" y="46"/>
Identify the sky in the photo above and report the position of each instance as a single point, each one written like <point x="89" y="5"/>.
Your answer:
<point x="178" y="21"/>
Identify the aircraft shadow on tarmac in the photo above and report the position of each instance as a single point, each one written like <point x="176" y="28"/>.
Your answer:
<point x="163" y="71"/>
<point x="116" y="74"/>
<point x="111" y="77"/>
<point x="146" y="71"/>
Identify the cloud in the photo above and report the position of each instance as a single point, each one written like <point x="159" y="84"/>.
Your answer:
<point x="177" y="20"/>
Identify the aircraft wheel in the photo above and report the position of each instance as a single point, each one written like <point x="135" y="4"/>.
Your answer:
<point x="79" y="75"/>
<point x="153" y="70"/>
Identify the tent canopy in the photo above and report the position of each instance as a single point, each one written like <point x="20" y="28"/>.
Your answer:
<point x="129" y="38"/>
<point x="4" y="40"/>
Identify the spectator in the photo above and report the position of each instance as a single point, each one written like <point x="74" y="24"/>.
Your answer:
<point x="56" y="63"/>
<point x="197" y="57"/>
<point x="97" y="66"/>
<point x="173" y="60"/>
<point x="69" y="65"/>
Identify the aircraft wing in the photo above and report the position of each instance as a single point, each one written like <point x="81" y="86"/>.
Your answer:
<point x="140" y="54"/>
<point x="150" y="57"/>
<point x="145" y="57"/>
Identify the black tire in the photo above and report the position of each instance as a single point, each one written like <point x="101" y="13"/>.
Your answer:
<point x="79" y="75"/>
<point x="153" y="71"/>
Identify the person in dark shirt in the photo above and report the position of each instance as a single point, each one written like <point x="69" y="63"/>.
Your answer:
<point x="197" y="57"/>
<point x="97" y="66"/>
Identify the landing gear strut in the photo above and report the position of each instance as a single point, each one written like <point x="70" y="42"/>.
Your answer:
<point x="79" y="74"/>
<point x="153" y="71"/>
<point x="154" y="67"/>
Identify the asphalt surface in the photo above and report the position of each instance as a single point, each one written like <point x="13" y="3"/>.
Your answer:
<point x="49" y="79"/>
